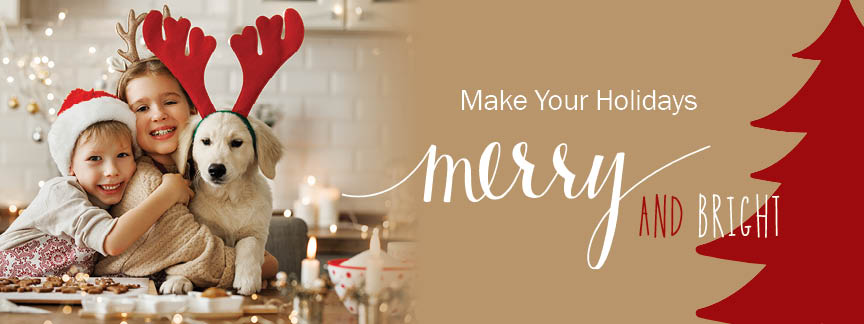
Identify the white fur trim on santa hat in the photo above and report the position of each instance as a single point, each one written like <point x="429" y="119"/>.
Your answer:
<point x="74" y="120"/>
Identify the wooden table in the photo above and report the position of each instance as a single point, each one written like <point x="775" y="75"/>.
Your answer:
<point x="334" y="312"/>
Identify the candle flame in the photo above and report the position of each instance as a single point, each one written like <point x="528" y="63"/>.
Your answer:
<point x="310" y="180"/>
<point x="312" y="248"/>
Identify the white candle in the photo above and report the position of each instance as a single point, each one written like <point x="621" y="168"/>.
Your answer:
<point x="328" y="207"/>
<point x="374" y="265"/>
<point x="308" y="188"/>
<point x="310" y="267"/>
<point x="304" y="210"/>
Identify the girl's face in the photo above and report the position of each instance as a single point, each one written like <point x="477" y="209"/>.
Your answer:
<point x="161" y="111"/>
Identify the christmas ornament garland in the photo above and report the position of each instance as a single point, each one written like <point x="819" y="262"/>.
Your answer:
<point x="28" y="76"/>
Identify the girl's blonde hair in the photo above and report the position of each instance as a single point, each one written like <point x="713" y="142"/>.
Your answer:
<point x="148" y="67"/>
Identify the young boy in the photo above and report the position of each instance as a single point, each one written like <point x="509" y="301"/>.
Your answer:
<point x="92" y="142"/>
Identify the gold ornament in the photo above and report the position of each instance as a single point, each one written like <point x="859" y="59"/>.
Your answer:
<point x="13" y="102"/>
<point x="33" y="107"/>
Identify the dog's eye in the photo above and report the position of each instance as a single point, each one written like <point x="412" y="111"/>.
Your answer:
<point x="205" y="141"/>
<point x="236" y="143"/>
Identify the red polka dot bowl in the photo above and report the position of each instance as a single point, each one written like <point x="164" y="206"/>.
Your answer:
<point x="345" y="277"/>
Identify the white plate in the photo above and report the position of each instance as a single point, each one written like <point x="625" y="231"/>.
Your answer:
<point x="153" y="304"/>
<point x="108" y="304"/>
<point x="228" y="304"/>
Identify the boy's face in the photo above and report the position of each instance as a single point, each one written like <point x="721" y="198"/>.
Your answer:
<point x="161" y="112"/>
<point x="103" y="167"/>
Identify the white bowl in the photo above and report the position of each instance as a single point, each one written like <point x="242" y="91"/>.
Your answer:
<point x="228" y="304"/>
<point x="154" y="304"/>
<point x="107" y="305"/>
<point x="345" y="277"/>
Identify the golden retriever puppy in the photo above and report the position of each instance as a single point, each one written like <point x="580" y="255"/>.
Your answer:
<point x="231" y="196"/>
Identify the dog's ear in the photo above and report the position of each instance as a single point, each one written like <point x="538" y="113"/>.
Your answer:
<point x="184" y="145"/>
<point x="269" y="147"/>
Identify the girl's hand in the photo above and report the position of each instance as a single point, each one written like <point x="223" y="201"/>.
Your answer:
<point x="177" y="187"/>
<point x="270" y="266"/>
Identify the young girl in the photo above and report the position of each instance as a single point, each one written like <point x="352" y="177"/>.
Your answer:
<point x="66" y="224"/>
<point x="176" y="243"/>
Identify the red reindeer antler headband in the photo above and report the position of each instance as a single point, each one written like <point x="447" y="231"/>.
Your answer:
<point x="257" y="68"/>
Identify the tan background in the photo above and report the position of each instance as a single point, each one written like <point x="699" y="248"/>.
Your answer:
<point x="521" y="260"/>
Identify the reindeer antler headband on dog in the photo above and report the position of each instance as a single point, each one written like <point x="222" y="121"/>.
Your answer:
<point x="257" y="68"/>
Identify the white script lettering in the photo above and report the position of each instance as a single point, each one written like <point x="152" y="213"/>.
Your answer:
<point x="526" y="171"/>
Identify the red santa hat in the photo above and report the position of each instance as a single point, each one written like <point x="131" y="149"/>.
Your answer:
<point x="80" y="110"/>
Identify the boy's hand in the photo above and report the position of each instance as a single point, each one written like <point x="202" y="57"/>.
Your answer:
<point x="177" y="187"/>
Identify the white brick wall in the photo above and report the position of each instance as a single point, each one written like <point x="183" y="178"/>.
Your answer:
<point x="331" y="96"/>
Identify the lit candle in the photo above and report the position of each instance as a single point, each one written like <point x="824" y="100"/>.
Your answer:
<point x="374" y="265"/>
<point x="310" y="267"/>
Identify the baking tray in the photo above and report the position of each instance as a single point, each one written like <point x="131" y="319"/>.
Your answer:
<point x="147" y="287"/>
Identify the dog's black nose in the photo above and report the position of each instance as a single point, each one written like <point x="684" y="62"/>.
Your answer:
<point x="216" y="170"/>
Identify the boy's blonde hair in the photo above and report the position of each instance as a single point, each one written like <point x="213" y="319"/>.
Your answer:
<point x="104" y="130"/>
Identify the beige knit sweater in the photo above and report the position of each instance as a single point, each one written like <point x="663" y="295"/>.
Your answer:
<point x="176" y="242"/>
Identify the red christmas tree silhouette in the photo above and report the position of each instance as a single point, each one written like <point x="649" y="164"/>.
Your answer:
<point x="812" y="270"/>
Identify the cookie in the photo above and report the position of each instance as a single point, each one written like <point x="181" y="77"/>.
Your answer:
<point x="28" y="282"/>
<point x="214" y="292"/>
<point x="68" y="290"/>
<point x="118" y="289"/>
<point x="42" y="289"/>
